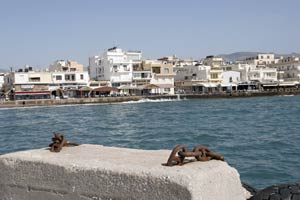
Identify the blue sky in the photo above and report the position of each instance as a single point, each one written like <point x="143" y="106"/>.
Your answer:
<point x="37" y="32"/>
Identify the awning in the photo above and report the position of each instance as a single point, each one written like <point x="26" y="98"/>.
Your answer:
<point x="127" y="87"/>
<point x="228" y="84"/>
<point x="270" y="85"/>
<point x="85" y="89"/>
<point x="105" y="89"/>
<point x="150" y="86"/>
<point x="209" y="85"/>
<point x="165" y="85"/>
<point x="33" y="93"/>
<point x="287" y="84"/>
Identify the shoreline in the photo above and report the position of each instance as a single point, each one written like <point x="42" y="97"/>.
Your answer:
<point x="112" y="100"/>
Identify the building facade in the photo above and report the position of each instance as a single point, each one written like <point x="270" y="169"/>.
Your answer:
<point x="288" y="69"/>
<point x="262" y="59"/>
<point x="114" y="65"/>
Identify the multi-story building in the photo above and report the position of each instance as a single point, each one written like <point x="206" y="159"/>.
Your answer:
<point x="29" y="84"/>
<point x="176" y="62"/>
<point x="127" y="71"/>
<point x="288" y="69"/>
<point x="161" y="74"/>
<point x="230" y="80"/>
<point x="114" y="65"/>
<point x="251" y="72"/>
<point x="197" y="79"/>
<point x="214" y="62"/>
<point x="262" y="59"/>
<point x="216" y="70"/>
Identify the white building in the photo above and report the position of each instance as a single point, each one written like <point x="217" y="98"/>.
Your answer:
<point x="262" y="59"/>
<point x="193" y="73"/>
<point x="252" y="72"/>
<point x="114" y="65"/>
<point x="1" y="79"/>
<point x="230" y="80"/>
<point x="130" y="74"/>
<point x="198" y="78"/>
<point x="288" y="69"/>
<point x="43" y="84"/>
<point x="68" y="80"/>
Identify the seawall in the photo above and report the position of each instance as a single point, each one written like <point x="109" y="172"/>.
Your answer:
<point x="93" y="172"/>
<point x="103" y="100"/>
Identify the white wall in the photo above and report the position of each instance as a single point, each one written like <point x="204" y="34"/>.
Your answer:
<point x="231" y="77"/>
<point x="1" y="80"/>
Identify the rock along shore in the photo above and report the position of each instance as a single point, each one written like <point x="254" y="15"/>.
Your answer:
<point x="90" y="172"/>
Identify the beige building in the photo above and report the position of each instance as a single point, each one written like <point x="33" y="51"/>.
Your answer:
<point x="66" y="66"/>
<point x="161" y="75"/>
<point x="215" y="73"/>
<point x="214" y="62"/>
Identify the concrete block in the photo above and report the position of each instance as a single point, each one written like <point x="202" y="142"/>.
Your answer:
<point x="94" y="172"/>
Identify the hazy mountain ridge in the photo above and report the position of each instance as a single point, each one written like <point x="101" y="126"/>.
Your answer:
<point x="243" y="55"/>
<point x="3" y="70"/>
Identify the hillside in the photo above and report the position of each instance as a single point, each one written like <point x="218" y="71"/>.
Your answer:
<point x="242" y="55"/>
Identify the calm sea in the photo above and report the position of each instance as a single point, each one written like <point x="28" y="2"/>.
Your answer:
<point x="258" y="136"/>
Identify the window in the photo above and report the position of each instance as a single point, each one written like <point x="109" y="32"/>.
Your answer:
<point x="214" y="76"/>
<point x="94" y="85"/>
<point x="115" y="68"/>
<point x="58" y="78"/>
<point x="81" y="76"/>
<point x="115" y="84"/>
<point x="35" y="79"/>
<point x="156" y="70"/>
<point x="166" y="70"/>
<point x="70" y="77"/>
<point x="230" y="79"/>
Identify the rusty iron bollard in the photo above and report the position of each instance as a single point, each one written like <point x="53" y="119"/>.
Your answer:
<point x="58" y="142"/>
<point x="201" y="153"/>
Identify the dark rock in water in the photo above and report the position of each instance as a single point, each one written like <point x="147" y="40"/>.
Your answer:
<point x="250" y="189"/>
<point x="281" y="192"/>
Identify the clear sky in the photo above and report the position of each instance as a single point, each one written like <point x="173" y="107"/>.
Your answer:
<point x="38" y="32"/>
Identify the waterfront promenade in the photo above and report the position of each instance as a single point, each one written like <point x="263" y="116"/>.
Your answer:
<point x="118" y="99"/>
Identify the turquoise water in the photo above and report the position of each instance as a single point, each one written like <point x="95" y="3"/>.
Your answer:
<point x="258" y="136"/>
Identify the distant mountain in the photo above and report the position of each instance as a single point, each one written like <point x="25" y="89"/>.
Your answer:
<point x="2" y="70"/>
<point x="243" y="55"/>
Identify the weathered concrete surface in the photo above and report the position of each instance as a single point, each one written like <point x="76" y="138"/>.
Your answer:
<point x="93" y="172"/>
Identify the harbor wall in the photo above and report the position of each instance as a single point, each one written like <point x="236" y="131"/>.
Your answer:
<point x="94" y="172"/>
<point x="103" y="100"/>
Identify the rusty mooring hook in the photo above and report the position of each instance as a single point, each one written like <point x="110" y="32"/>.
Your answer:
<point x="201" y="153"/>
<point x="58" y="142"/>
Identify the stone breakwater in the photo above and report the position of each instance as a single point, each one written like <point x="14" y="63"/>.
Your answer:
<point x="89" y="172"/>
<point x="104" y="100"/>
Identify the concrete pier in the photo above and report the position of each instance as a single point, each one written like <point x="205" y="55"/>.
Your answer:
<point x="93" y="172"/>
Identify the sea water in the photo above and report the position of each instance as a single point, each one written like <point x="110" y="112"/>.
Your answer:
<point x="260" y="136"/>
